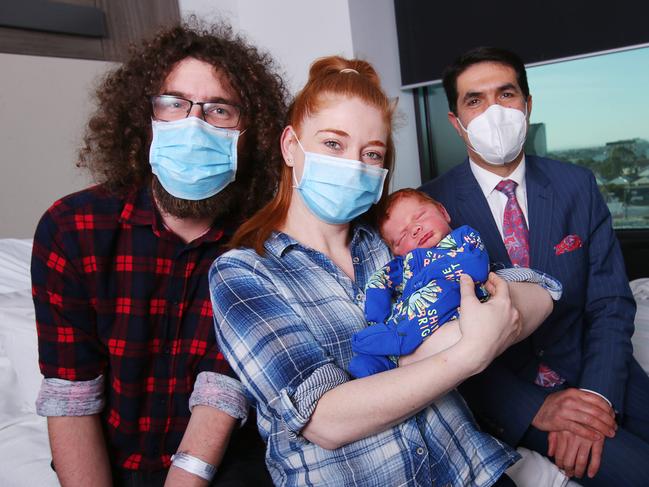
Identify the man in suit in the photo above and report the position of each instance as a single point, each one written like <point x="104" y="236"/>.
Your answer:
<point x="572" y="390"/>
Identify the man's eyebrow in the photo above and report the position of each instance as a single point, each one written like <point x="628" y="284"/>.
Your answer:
<point x="213" y="99"/>
<point x="508" y="86"/>
<point x="504" y="87"/>
<point x="471" y="94"/>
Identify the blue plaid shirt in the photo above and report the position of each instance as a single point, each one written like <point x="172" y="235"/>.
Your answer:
<point x="284" y="322"/>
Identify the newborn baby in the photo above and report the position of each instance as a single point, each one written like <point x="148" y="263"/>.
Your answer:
<point x="419" y="290"/>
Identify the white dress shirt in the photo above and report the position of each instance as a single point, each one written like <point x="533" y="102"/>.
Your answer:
<point x="496" y="199"/>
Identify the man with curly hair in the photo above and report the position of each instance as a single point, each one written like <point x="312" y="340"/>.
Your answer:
<point x="183" y="146"/>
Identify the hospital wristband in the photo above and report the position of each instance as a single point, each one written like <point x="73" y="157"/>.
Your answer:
<point x="193" y="465"/>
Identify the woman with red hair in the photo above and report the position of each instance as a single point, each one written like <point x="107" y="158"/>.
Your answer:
<point x="289" y="297"/>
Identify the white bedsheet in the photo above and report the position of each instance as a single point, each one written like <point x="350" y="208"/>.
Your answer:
<point x="24" y="448"/>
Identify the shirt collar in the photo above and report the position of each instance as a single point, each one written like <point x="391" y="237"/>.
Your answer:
<point x="139" y="210"/>
<point x="279" y="242"/>
<point x="488" y="180"/>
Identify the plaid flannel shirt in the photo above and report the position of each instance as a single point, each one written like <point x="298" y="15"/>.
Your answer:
<point x="285" y="322"/>
<point x="123" y="314"/>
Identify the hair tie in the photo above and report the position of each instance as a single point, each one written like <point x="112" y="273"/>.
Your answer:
<point x="349" y="70"/>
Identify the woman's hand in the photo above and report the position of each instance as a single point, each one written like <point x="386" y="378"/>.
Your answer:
<point x="487" y="328"/>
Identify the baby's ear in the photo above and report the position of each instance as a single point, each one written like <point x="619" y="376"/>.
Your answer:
<point x="443" y="211"/>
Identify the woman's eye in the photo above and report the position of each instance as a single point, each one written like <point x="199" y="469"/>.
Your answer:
<point x="373" y="157"/>
<point x="332" y="144"/>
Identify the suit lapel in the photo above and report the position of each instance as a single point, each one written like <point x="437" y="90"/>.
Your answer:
<point x="540" y="202"/>
<point x="474" y="210"/>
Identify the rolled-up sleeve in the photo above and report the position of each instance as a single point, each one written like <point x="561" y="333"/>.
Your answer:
<point x="298" y="407"/>
<point x="523" y="274"/>
<point x="277" y="358"/>
<point x="221" y="392"/>
<point x="60" y="397"/>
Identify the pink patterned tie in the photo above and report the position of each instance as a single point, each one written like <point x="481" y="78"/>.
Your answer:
<point x="515" y="231"/>
<point x="517" y="245"/>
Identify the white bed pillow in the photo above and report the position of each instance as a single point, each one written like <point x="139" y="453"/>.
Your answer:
<point x="20" y="344"/>
<point x="18" y="338"/>
<point x="15" y="260"/>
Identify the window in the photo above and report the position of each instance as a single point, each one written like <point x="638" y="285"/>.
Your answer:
<point x="589" y="111"/>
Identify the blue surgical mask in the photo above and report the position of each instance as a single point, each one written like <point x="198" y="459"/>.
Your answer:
<point x="192" y="159"/>
<point x="337" y="190"/>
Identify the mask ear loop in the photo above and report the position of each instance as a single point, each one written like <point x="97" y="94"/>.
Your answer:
<point x="468" y="142"/>
<point x="296" y="185"/>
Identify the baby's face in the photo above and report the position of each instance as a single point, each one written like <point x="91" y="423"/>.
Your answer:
<point x="414" y="223"/>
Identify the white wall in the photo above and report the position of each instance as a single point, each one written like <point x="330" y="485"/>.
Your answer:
<point x="296" y="32"/>
<point x="45" y="103"/>
<point x="374" y="34"/>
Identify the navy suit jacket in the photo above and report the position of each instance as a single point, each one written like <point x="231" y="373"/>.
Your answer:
<point x="587" y="338"/>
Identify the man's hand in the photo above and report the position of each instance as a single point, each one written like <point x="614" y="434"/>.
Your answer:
<point x="580" y="412"/>
<point x="571" y="452"/>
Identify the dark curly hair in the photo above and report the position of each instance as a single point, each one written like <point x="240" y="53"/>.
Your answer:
<point x="117" y="138"/>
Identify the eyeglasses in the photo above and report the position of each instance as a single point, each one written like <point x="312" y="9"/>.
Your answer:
<point x="169" y="108"/>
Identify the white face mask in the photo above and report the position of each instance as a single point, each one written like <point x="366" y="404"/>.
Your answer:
<point x="497" y="134"/>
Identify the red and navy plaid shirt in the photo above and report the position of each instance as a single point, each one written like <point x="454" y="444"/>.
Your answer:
<point x="117" y="294"/>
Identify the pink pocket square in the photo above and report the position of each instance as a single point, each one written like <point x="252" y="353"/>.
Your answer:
<point x="568" y="244"/>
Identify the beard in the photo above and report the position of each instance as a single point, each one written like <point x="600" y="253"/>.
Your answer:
<point x="220" y="206"/>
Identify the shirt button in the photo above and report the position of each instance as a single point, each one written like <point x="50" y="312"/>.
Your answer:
<point x="356" y="260"/>
<point x="359" y="297"/>
<point x="420" y="451"/>
<point x="540" y="353"/>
